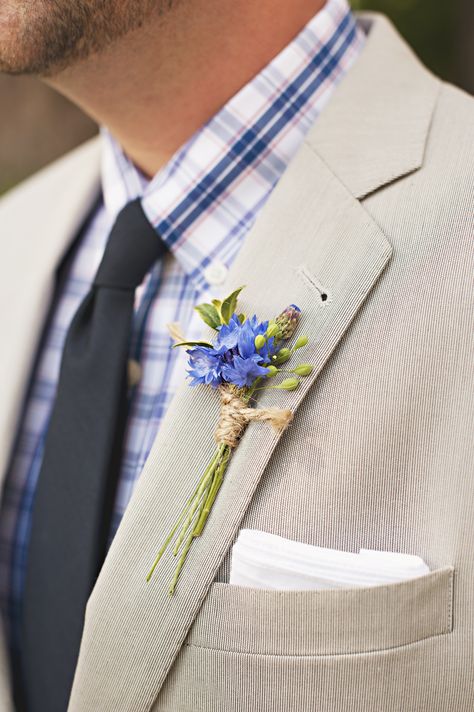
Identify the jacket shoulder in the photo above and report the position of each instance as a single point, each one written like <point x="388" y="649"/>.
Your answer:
<point x="441" y="189"/>
<point x="431" y="209"/>
<point x="53" y="181"/>
<point x="456" y="98"/>
<point x="450" y="145"/>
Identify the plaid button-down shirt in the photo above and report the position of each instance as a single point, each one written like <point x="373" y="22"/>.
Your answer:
<point x="203" y="202"/>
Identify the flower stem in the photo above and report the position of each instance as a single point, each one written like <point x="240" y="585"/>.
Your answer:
<point x="202" y="494"/>
<point x="180" y="565"/>
<point x="214" y="488"/>
<point x="183" y="514"/>
<point x="202" y="503"/>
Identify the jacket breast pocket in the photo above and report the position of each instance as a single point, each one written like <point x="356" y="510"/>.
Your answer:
<point x="355" y="650"/>
<point x="326" y="622"/>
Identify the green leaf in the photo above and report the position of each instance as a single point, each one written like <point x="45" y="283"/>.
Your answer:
<point x="218" y="304"/>
<point x="209" y="315"/>
<point x="242" y="318"/>
<point x="193" y="343"/>
<point x="229" y="305"/>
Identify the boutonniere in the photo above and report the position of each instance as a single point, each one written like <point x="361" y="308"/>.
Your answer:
<point x="246" y="357"/>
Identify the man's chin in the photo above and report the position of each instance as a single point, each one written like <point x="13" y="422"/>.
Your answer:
<point x="19" y="63"/>
<point x="14" y="57"/>
<point x="22" y="50"/>
<point x="40" y="38"/>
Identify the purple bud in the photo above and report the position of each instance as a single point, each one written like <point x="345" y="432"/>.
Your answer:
<point x="287" y="321"/>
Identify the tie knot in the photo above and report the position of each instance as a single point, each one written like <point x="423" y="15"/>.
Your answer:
<point x="133" y="247"/>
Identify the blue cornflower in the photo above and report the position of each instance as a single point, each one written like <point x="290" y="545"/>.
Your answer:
<point x="260" y="328"/>
<point x="235" y="335"/>
<point x="206" y="366"/>
<point x="242" y="362"/>
<point x="243" y="371"/>
<point x="246" y="340"/>
<point x="235" y="358"/>
<point x="228" y="334"/>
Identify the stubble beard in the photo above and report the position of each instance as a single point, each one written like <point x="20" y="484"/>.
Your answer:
<point x="44" y="37"/>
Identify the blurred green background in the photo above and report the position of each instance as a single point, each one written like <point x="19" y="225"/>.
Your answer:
<point x="37" y="125"/>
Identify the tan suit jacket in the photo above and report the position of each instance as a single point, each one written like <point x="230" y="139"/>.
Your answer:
<point x="376" y="211"/>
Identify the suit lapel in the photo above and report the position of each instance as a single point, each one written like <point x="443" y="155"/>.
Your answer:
<point x="375" y="127"/>
<point x="313" y="238"/>
<point x="38" y="222"/>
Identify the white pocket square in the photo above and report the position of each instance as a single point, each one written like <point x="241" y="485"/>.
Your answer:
<point x="263" y="560"/>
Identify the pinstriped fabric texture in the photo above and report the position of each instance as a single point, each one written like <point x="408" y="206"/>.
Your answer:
<point x="325" y="623"/>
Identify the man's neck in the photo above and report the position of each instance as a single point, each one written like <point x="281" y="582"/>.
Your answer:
<point x="155" y="87"/>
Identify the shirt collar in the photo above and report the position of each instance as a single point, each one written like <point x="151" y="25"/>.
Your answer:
<point x="207" y="196"/>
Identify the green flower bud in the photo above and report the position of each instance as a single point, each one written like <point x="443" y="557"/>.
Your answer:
<point x="260" y="341"/>
<point x="301" y="341"/>
<point x="304" y="369"/>
<point x="273" y="330"/>
<point x="272" y="371"/>
<point x="282" y="356"/>
<point x="289" y="384"/>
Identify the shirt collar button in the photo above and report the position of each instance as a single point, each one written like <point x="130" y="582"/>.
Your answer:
<point x="215" y="273"/>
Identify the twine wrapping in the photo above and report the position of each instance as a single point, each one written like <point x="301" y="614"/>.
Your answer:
<point x="235" y="415"/>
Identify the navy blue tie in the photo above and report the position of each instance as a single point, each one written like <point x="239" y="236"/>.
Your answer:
<point x="77" y="482"/>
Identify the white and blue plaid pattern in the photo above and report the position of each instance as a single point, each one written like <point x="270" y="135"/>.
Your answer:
<point x="203" y="202"/>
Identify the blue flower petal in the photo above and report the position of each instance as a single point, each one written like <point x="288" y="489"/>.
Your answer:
<point x="205" y="366"/>
<point x="243" y="371"/>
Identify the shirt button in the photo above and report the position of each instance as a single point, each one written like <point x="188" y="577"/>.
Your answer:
<point x="134" y="373"/>
<point x="215" y="273"/>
